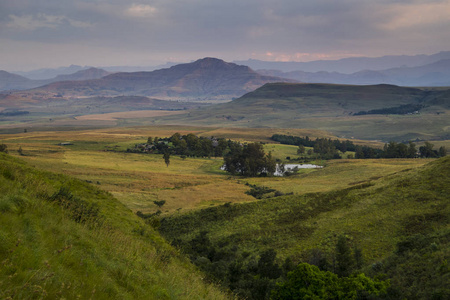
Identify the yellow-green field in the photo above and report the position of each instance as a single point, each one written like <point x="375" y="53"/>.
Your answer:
<point x="139" y="179"/>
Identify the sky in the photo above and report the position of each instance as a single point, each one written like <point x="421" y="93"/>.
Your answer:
<point x="51" y="33"/>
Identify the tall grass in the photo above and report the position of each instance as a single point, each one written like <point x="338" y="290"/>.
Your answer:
<point x="48" y="251"/>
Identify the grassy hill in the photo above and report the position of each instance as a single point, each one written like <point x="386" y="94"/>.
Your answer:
<point x="63" y="238"/>
<point x="332" y="108"/>
<point x="401" y="222"/>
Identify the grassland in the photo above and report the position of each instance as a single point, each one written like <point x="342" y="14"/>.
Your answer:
<point x="99" y="157"/>
<point x="376" y="203"/>
<point x="63" y="238"/>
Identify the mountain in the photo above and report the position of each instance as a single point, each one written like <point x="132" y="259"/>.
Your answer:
<point x="9" y="81"/>
<point x="349" y="65"/>
<point x="12" y="81"/>
<point x="86" y="74"/>
<point x="379" y="112"/>
<point x="207" y="78"/>
<point x="47" y="73"/>
<point x="434" y="74"/>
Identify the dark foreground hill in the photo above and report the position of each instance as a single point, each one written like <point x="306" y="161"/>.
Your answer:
<point x="207" y="78"/>
<point x="64" y="238"/>
<point x="396" y="227"/>
<point x="367" y="112"/>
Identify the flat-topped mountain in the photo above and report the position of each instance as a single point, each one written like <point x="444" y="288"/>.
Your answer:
<point x="207" y="78"/>
<point x="384" y="112"/>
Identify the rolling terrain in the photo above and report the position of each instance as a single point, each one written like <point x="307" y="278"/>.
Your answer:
<point x="334" y="108"/>
<point x="204" y="79"/>
<point x="64" y="238"/>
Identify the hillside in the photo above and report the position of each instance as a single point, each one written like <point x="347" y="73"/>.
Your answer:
<point x="207" y="78"/>
<point x="333" y="108"/>
<point x="65" y="238"/>
<point x="400" y="223"/>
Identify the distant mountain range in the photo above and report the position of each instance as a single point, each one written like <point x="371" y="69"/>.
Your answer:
<point x="9" y="81"/>
<point x="349" y="65"/>
<point x="434" y="74"/>
<point x="207" y="78"/>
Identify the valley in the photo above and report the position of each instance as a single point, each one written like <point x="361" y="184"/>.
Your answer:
<point x="97" y="157"/>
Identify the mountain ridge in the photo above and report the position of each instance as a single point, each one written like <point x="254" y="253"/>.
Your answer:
<point x="203" y="79"/>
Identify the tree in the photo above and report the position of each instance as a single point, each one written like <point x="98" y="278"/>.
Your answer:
<point x="301" y="149"/>
<point x="412" y="150"/>
<point x="344" y="259"/>
<point x="426" y="150"/>
<point x="442" y="151"/>
<point x="3" y="148"/>
<point x="267" y="266"/>
<point x="159" y="203"/>
<point x="309" y="282"/>
<point x="166" y="157"/>
<point x="20" y="151"/>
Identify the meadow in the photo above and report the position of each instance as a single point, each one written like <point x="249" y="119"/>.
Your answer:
<point x="100" y="157"/>
<point x="374" y="203"/>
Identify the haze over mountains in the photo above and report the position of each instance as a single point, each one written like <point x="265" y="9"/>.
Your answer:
<point x="434" y="74"/>
<point x="215" y="79"/>
<point x="204" y="79"/>
<point x="9" y="81"/>
<point x="349" y="65"/>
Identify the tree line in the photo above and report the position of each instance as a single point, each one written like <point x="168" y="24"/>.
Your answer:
<point x="329" y="149"/>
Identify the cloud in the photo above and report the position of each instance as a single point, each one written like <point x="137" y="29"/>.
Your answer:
<point x="418" y="15"/>
<point x="140" y="10"/>
<point x="33" y="22"/>
<point x="232" y="29"/>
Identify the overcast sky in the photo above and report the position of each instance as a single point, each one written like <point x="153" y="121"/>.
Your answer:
<point x="52" y="33"/>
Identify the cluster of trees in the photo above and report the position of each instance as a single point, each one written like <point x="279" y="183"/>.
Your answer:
<point x="398" y="110"/>
<point x="239" y="159"/>
<point x="3" y="148"/>
<point x="185" y="145"/>
<point x="188" y="145"/>
<point x="342" y="146"/>
<point x="249" y="160"/>
<point x="329" y="149"/>
<point x="263" y="276"/>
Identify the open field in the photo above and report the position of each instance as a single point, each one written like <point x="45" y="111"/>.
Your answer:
<point x="98" y="156"/>
<point x="128" y="115"/>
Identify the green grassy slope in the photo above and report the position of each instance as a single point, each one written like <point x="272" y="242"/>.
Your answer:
<point x="63" y="238"/>
<point x="331" y="108"/>
<point x="377" y="216"/>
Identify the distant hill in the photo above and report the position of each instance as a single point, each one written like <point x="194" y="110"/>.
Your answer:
<point x="12" y="81"/>
<point x="207" y="78"/>
<point x="349" y="65"/>
<point x="48" y="73"/>
<point x="91" y="73"/>
<point x="333" y="108"/>
<point x="9" y="81"/>
<point x="434" y="74"/>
